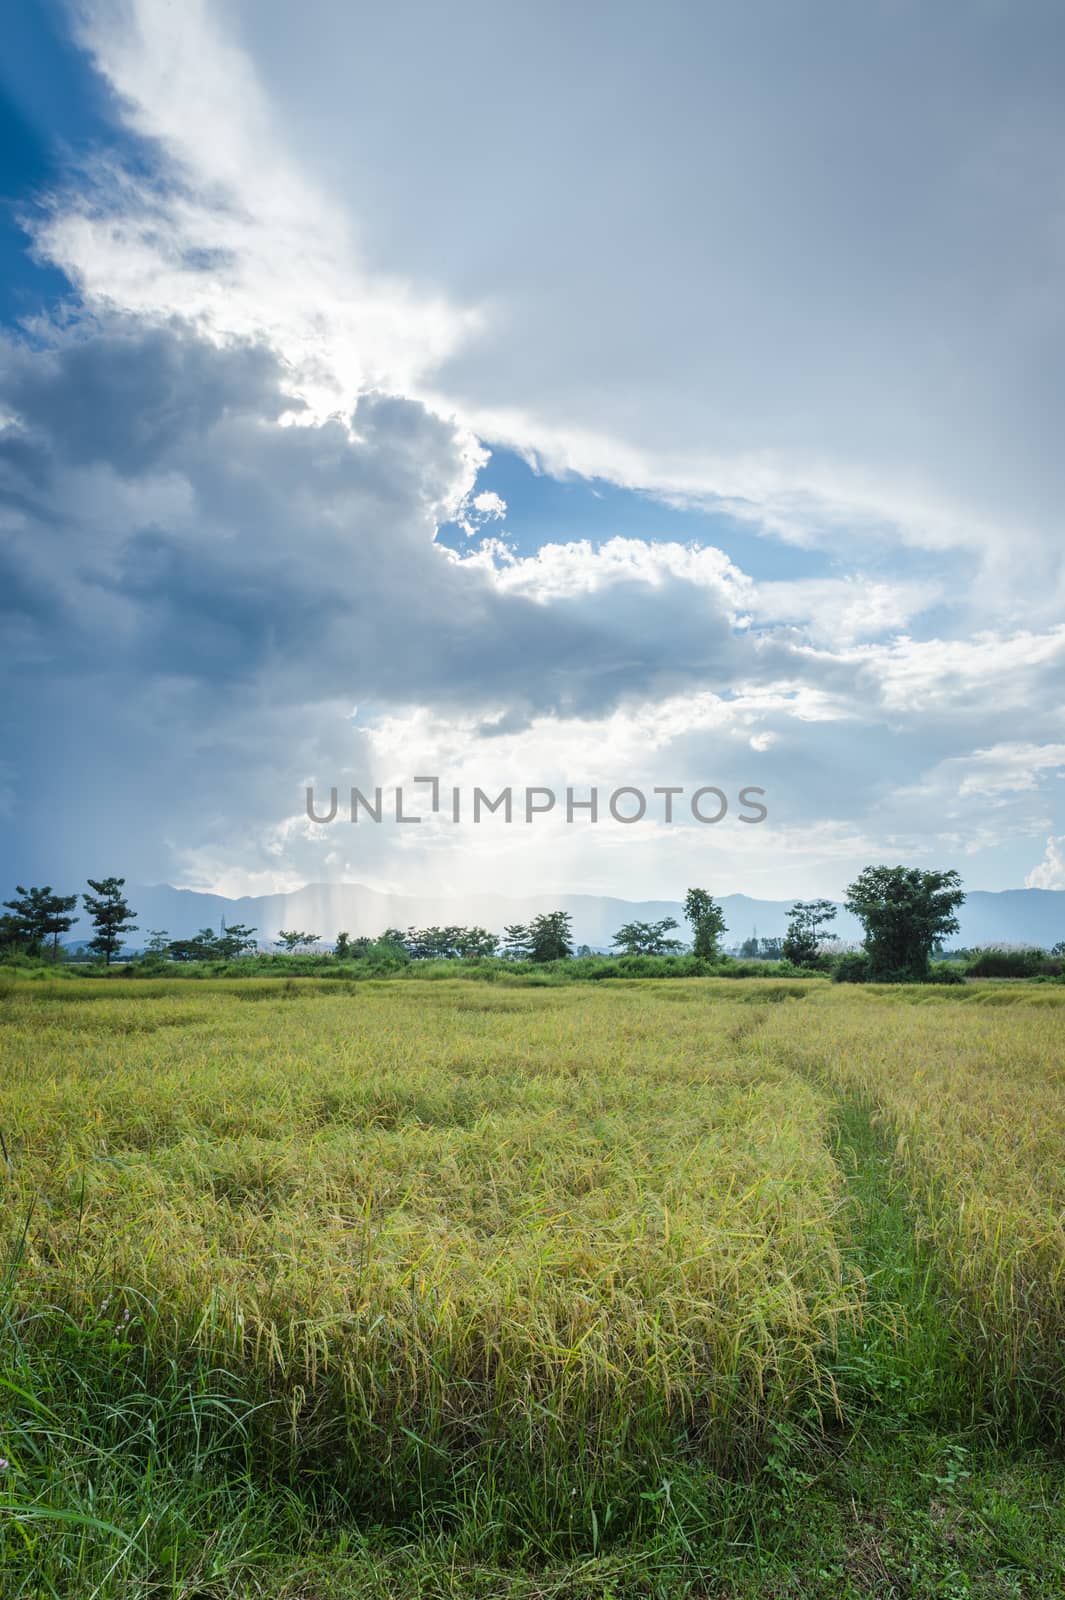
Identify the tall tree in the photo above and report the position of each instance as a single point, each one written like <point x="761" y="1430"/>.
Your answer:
<point x="905" y="913"/>
<point x="802" y="942"/>
<point x="707" y="923"/>
<point x="58" y="919"/>
<point x="110" y="914"/>
<point x="291" y="940"/>
<point x="551" y="936"/>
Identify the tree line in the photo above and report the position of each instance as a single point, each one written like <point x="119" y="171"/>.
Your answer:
<point x="905" y="913"/>
<point x="35" y="918"/>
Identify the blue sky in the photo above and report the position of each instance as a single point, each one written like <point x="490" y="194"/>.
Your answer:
<point x="546" y="509"/>
<point x="682" y="412"/>
<point x="51" y="106"/>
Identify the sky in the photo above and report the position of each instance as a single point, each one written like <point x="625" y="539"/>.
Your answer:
<point x="602" y="396"/>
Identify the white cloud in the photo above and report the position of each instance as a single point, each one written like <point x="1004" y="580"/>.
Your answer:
<point x="989" y="672"/>
<point x="843" y="610"/>
<point x="478" y="511"/>
<point x="235" y="584"/>
<point x="851" y="343"/>
<point x="863" y="355"/>
<point x="1011" y="768"/>
<point x="1050" y="873"/>
<point x="230" y="233"/>
<point x="558" y="571"/>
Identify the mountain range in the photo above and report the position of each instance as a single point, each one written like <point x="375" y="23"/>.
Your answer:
<point x="1009" y="916"/>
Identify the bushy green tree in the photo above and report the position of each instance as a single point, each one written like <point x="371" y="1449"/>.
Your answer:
<point x="852" y="966"/>
<point x="110" y="914"/>
<point x="905" y="913"/>
<point x="647" y="938"/>
<point x="39" y="916"/>
<point x="202" y="946"/>
<point x="802" y="942"/>
<point x="707" y="923"/>
<point x="551" y="936"/>
<point x="387" y="951"/>
<point x="29" y="918"/>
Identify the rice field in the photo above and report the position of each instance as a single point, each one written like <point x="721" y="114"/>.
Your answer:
<point x="971" y="1096"/>
<point x="493" y="1264"/>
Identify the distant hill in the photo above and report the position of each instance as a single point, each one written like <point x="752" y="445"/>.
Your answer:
<point x="1011" y="916"/>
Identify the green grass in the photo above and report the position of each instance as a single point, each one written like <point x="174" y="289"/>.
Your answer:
<point x="624" y="1289"/>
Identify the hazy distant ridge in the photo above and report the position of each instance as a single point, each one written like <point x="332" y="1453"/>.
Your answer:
<point x="1010" y="916"/>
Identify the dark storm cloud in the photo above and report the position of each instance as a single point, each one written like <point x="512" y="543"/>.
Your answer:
<point x="133" y="400"/>
<point x="239" y="548"/>
<point x="196" y="593"/>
